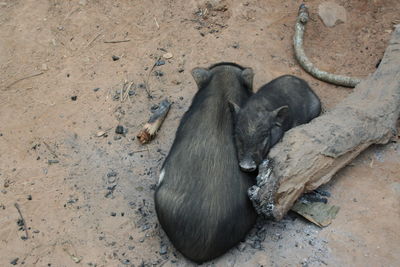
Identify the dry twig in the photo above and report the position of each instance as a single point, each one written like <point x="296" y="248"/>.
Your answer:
<point x="24" y="78"/>
<point x="158" y="26"/>
<point x="148" y="77"/>
<point x="94" y="39"/>
<point x="117" y="41"/>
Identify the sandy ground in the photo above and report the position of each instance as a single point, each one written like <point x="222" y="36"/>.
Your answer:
<point x="92" y="204"/>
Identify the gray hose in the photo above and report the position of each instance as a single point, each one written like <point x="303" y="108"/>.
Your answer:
<point x="306" y="63"/>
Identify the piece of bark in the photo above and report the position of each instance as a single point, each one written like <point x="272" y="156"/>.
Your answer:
<point x="309" y="155"/>
<point x="150" y="129"/>
<point x="320" y="214"/>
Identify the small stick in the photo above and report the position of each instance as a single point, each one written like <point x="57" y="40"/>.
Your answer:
<point x="150" y="129"/>
<point x="94" y="39"/>
<point x="127" y="91"/>
<point x="148" y="77"/>
<point x="137" y="151"/>
<point x="122" y="90"/>
<point x="158" y="26"/>
<point x="24" y="78"/>
<point x="117" y="41"/>
<point x="306" y="64"/>
<point x="22" y="219"/>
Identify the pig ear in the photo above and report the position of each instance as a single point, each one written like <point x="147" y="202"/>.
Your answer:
<point x="201" y="76"/>
<point x="280" y="115"/>
<point x="248" y="75"/>
<point x="235" y="109"/>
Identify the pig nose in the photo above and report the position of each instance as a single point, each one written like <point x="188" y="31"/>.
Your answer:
<point x="248" y="166"/>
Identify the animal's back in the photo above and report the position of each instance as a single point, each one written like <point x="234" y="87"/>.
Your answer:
<point x="292" y="91"/>
<point x="202" y="204"/>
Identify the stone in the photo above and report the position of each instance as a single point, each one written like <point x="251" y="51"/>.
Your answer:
<point x="332" y="13"/>
<point x="167" y="55"/>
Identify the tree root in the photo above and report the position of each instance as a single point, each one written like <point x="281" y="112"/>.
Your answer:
<point x="306" y="63"/>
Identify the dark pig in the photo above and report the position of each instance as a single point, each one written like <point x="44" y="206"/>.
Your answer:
<point x="278" y="106"/>
<point x="201" y="197"/>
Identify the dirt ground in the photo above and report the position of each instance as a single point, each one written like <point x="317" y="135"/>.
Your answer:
<point x="88" y="200"/>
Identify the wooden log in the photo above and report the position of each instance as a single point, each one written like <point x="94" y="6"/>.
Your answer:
<point x="309" y="155"/>
<point x="149" y="130"/>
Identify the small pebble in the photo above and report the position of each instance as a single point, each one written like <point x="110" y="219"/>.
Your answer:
<point x="160" y="62"/>
<point x="115" y="58"/>
<point x="235" y="45"/>
<point x="163" y="250"/>
<point x="167" y="55"/>
<point x="112" y="174"/>
<point x="126" y="262"/>
<point x="74" y="98"/>
<point x="29" y="197"/>
<point x="159" y="73"/>
<point x="101" y="133"/>
<point x="119" y="129"/>
<point x="20" y="222"/>
<point x="14" y="261"/>
<point x="72" y="200"/>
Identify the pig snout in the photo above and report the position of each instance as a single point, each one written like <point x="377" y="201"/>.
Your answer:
<point x="248" y="164"/>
